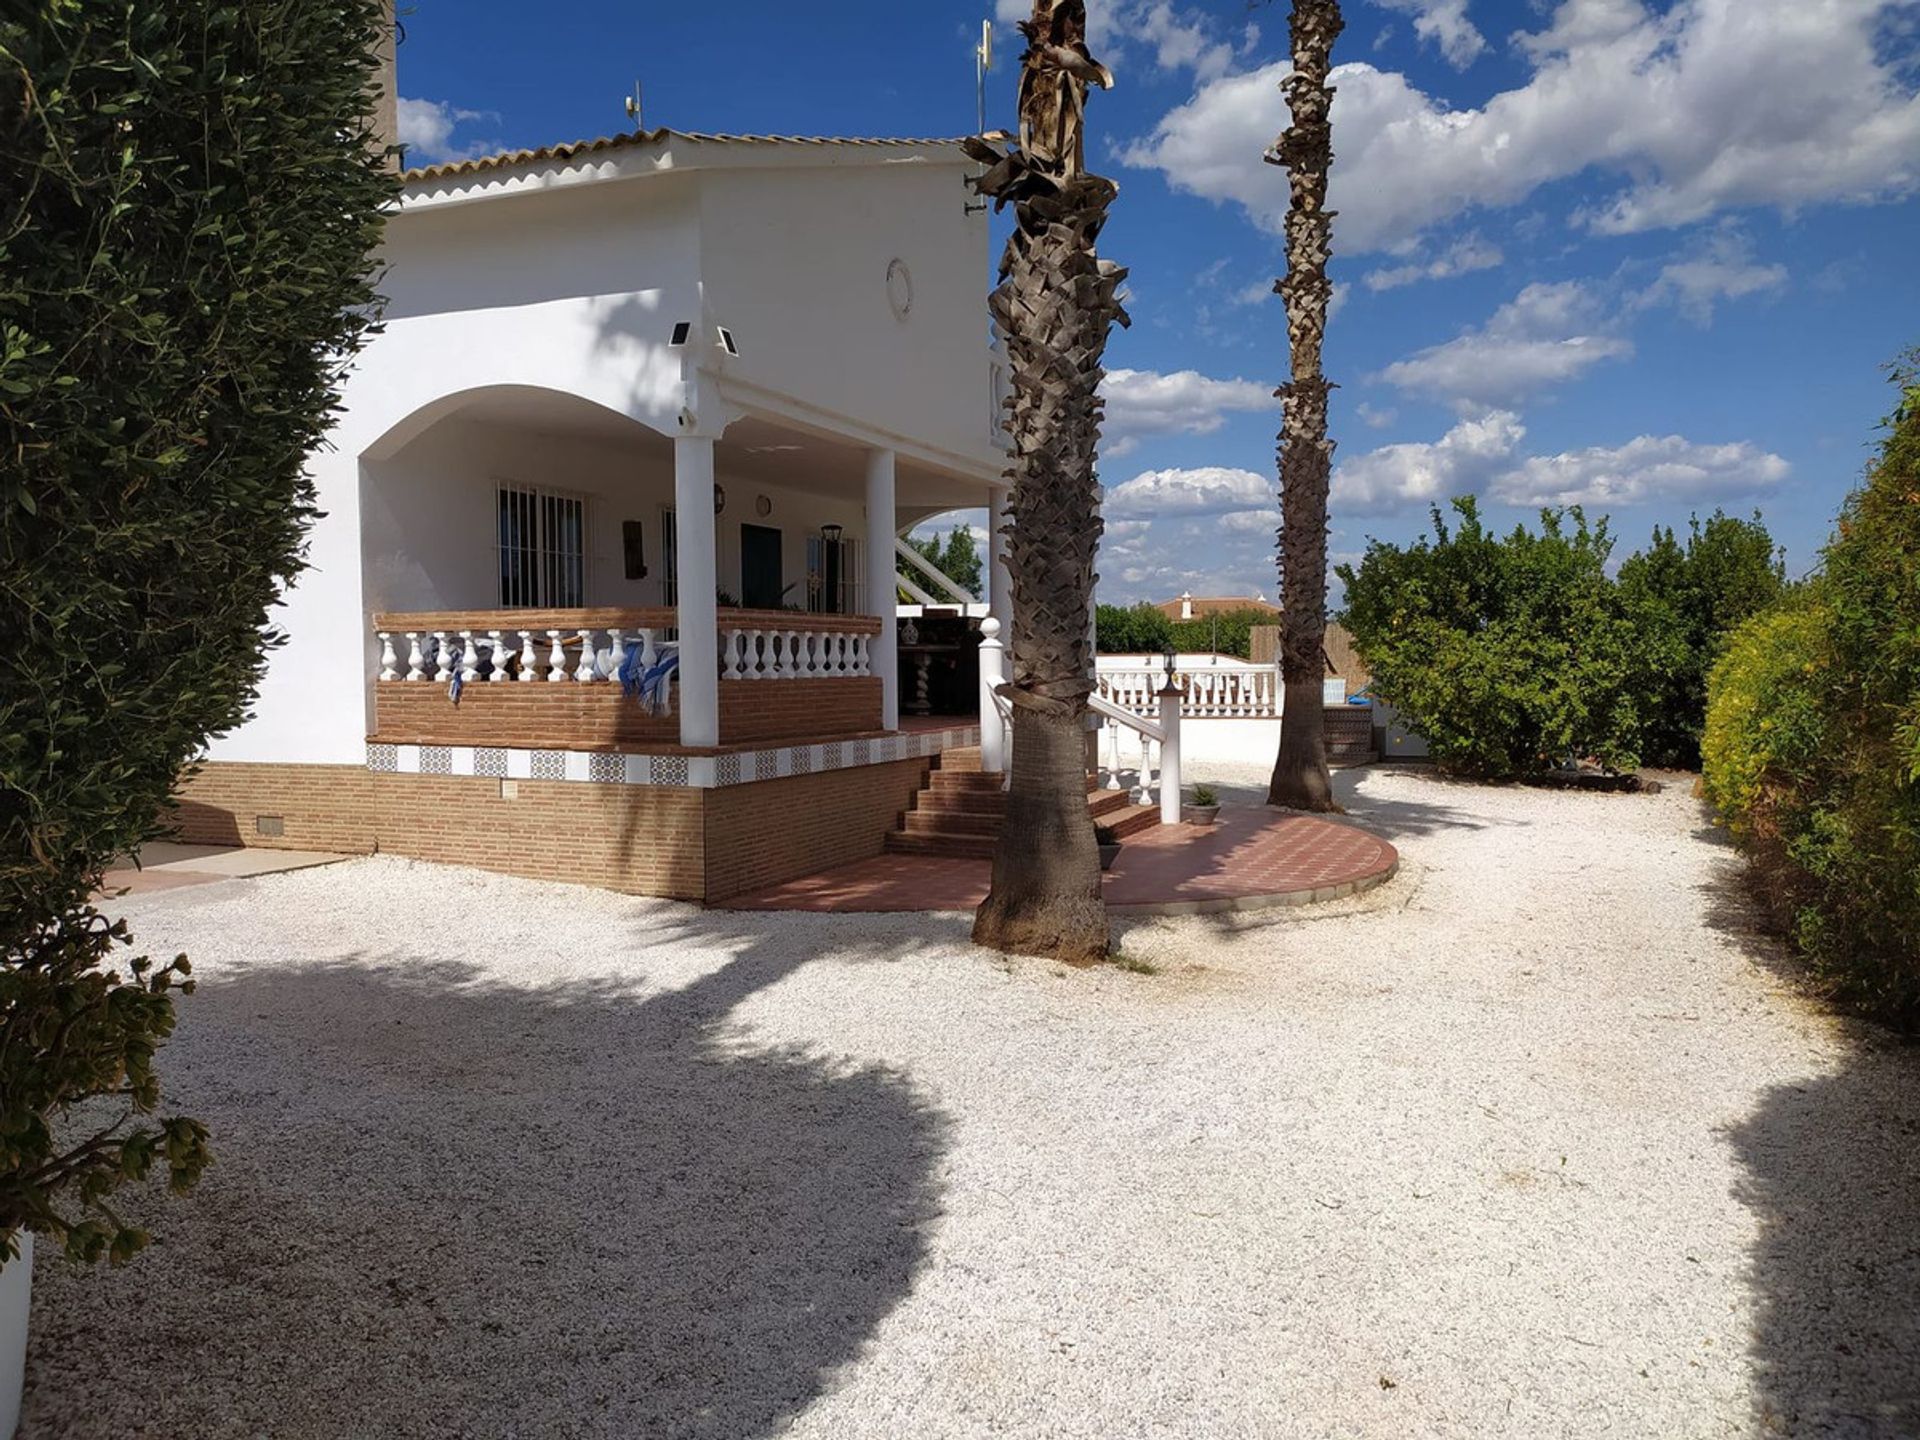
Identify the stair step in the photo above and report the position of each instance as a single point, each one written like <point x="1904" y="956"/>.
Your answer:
<point x="947" y="781"/>
<point x="1131" y="819"/>
<point x="967" y="847"/>
<point x="951" y="822"/>
<point x="970" y="802"/>
<point x="1105" y="802"/>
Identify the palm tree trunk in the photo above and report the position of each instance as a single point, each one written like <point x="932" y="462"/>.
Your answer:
<point x="1300" y="776"/>
<point x="1055" y="304"/>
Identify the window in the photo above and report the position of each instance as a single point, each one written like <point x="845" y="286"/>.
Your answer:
<point x="669" y="559"/>
<point x="836" y="580"/>
<point x="542" y="547"/>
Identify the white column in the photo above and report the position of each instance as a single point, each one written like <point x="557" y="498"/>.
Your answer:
<point x="1170" y="756"/>
<point x="993" y="730"/>
<point x="698" y="617"/>
<point x="999" y="595"/>
<point x="882" y="527"/>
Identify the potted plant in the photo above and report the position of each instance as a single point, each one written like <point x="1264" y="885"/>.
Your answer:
<point x="1109" y="844"/>
<point x="1205" y="806"/>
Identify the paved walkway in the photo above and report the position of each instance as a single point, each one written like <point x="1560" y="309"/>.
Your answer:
<point x="1251" y="858"/>
<point x="167" y="865"/>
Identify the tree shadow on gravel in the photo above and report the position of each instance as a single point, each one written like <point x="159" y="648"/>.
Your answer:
<point x="444" y="1207"/>
<point x="1832" y="1177"/>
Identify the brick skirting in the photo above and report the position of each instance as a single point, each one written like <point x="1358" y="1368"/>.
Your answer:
<point x="572" y="716"/>
<point x="674" y="841"/>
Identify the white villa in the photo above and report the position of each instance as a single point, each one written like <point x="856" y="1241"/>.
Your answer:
<point x="657" y="394"/>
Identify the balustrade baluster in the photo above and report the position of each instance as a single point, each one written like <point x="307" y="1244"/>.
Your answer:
<point x="442" y="658"/>
<point x="469" y="658"/>
<point x="1113" y="754"/>
<point x="757" y="662"/>
<point x="388" y="660"/>
<point x="616" y="653"/>
<point x="648" y="655"/>
<point x="861" y="665"/>
<point x="529" y="661"/>
<point x="730" y="654"/>
<point x="415" y="660"/>
<point x="556" y="659"/>
<point x="497" y="657"/>
<point x="587" y="670"/>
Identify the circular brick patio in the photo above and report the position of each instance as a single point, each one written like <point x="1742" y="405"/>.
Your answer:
<point x="1251" y="858"/>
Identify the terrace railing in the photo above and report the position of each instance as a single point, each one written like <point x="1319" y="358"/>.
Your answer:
<point x="588" y="646"/>
<point x="1205" y="694"/>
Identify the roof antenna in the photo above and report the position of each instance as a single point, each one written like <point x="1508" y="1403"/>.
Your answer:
<point x="633" y="106"/>
<point x="982" y="63"/>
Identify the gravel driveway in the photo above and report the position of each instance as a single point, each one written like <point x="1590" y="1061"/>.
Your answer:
<point x="1536" y="1140"/>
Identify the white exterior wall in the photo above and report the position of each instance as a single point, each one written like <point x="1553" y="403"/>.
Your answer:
<point x="795" y="262"/>
<point x="575" y="288"/>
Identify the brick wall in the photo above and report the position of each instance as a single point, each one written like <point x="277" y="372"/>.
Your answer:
<point x="774" y="830"/>
<point x="569" y="716"/>
<point x="757" y="710"/>
<point x="679" y="842"/>
<point x="641" y="839"/>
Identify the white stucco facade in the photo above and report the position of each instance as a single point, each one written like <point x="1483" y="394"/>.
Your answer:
<point x="530" y="342"/>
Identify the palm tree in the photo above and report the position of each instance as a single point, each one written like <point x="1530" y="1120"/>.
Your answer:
<point x="1055" y="303"/>
<point x="1300" y="777"/>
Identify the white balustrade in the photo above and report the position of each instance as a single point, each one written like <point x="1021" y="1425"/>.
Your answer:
<point x="575" y="655"/>
<point x="1208" y="694"/>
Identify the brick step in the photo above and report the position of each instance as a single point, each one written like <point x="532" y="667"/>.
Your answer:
<point x="949" y="781"/>
<point x="962" y="759"/>
<point x="1104" y="802"/>
<point x="1131" y="819"/>
<point x="971" y="802"/>
<point x="951" y="822"/>
<point x="968" y="847"/>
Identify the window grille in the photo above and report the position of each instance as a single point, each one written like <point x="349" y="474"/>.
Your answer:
<point x="542" y="544"/>
<point x="836" y="579"/>
<point x="669" y="559"/>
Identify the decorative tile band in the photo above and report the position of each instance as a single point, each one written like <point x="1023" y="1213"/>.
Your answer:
<point x="705" y="772"/>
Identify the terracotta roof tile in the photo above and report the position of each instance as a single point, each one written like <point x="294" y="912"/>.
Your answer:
<point x="629" y="139"/>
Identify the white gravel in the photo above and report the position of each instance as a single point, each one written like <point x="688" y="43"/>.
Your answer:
<point x="1533" y="1141"/>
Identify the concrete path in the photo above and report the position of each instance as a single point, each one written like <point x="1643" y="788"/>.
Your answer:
<point x="168" y="865"/>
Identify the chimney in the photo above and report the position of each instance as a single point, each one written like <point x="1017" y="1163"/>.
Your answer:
<point x="1186" y="604"/>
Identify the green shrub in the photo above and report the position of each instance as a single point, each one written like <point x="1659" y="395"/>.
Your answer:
<point x="1813" y="739"/>
<point x="1509" y="654"/>
<point x="188" y="201"/>
<point x="1694" y="596"/>
<point x="1131" y="630"/>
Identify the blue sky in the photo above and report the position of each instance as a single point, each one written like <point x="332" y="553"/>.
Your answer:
<point x="1649" y="257"/>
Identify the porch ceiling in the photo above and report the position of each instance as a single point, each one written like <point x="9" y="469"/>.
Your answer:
<point x="774" y="453"/>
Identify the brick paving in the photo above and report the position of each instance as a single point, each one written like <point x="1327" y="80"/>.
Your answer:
<point x="1251" y="857"/>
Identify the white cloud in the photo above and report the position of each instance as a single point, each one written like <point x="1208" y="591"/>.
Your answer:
<point x="1172" y="39"/>
<point x="1662" y="467"/>
<point x="1185" y="402"/>
<point x="1375" y="417"/>
<point x="1724" y="270"/>
<point x="1464" y="256"/>
<point x="1423" y="473"/>
<point x="427" y="126"/>
<point x="1206" y="490"/>
<point x="1545" y="335"/>
<point x="1708" y="106"/>
<point x="1445" y="23"/>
